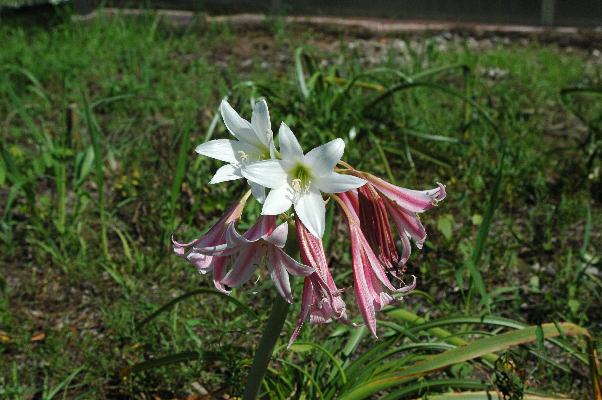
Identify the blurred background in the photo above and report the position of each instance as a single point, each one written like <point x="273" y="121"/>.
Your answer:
<point x="103" y="102"/>
<point x="585" y="13"/>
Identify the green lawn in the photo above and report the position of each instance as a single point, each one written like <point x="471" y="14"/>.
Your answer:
<point x="98" y="122"/>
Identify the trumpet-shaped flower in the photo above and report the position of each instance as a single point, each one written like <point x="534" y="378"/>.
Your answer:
<point x="404" y="205"/>
<point x="254" y="141"/>
<point x="374" y="222"/>
<point x="372" y="287"/>
<point x="321" y="301"/>
<point x="216" y="236"/>
<point x="262" y="241"/>
<point x="298" y="179"/>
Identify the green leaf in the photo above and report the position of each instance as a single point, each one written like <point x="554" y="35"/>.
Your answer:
<point x="64" y="384"/>
<point x="183" y="297"/>
<point x="427" y="386"/>
<point x="437" y="70"/>
<point x="422" y="325"/>
<point x="539" y="336"/>
<point x="445" y="225"/>
<point x="444" y="89"/>
<point x="566" y="93"/>
<point x="302" y="347"/>
<point x="300" y="73"/>
<point x="473" y="263"/>
<point x="457" y="355"/>
<point x="476" y="219"/>
<point x="306" y="374"/>
<point x="574" y="305"/>
<point x="328" y="228"/>
<point x="354" y="340"/>
<point x="84" y="165"/>
<point x="2" y="171"/>
<point x="94" y="132"/>
<point x="434" y="329"/>
<point x="430" y="136"/>
<point x="587" y="232"/>
<point x="489" y="395"/>
<point x="124" y="243"/>
<point x="178" y="176"/>
<point x="383" y="158"/>
<point x="168" y="360"/>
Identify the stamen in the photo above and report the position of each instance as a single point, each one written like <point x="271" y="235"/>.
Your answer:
<point x="299" y="188"/>
<point x="243" y="156"/>
<point x="296" y="185"/>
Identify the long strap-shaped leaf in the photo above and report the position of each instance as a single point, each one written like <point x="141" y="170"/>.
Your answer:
<point x="434" y="328"/>
<point x="477" y="349"/>
<point x="488" y="396"/>
<point x="170" y="359"/>
<point x="178" y="299"/>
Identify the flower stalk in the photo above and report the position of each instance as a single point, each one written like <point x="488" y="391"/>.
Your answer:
<point x="379" y="216"/>
<point x="270" y="335"/>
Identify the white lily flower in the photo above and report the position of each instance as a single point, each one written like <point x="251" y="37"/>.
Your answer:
<point x="255" y="141"/>
<point x="299" y="179"/>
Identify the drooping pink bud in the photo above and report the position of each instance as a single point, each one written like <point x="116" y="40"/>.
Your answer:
<point x="404" y="205"/>
<point x="321" y="301"/>
<point x="415" y="201"/>
<point x="374" y="223"/>
<point x="373" y="289"/>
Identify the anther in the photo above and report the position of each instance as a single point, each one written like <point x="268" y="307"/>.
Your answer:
<point x="243" y="156"/>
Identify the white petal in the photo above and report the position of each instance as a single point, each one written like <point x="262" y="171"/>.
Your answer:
<point x="263" y="227"/>
<point x="258" y="192"/>
<point x="239" y="127"/>
<point x="273" y="151"/>
<point x="278" y="236"/>
<point x="323" y="158"/>
<point x="293" y="266"/>
<point x="268" y="173"/>
<point x="311" y="210"/>
<point x="219" y="271"/>
<point x="224" y="149"/>
<point x="279" y="274"/>
<point x="290" y="149"/>
<point x="278" y="201"/>
<point x="202" y="262"/>
<point x="260" y="120"/>
<point x="243" y="267"/>
<point x="219" y="250"/>
<point x="225" y="173"/>
<point x="235" y="239"/>
<point x="337" y="183"/>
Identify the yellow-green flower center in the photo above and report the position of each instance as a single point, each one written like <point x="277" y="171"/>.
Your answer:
<point x="265" y="154"/>
<point x="301" y="178"/>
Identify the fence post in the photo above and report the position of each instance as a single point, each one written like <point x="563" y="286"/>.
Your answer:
<point x="547" y="12"/>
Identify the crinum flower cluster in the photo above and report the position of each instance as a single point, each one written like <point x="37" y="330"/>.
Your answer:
<point x="301" y="181"/>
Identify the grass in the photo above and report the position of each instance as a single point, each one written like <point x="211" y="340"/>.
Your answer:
<point x="98" y="123"/>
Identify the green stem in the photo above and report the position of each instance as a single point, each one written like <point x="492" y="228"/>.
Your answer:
<point x="266" y="347"/>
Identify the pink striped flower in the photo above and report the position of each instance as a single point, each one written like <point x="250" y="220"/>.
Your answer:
<point x="216" y="236"/>
<point x="263" y="241"/>
<point x="373" y="289"/>
<point x="374" y="222"/>
<point x="404" y="205"/>
<point x="321" y="301"/>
